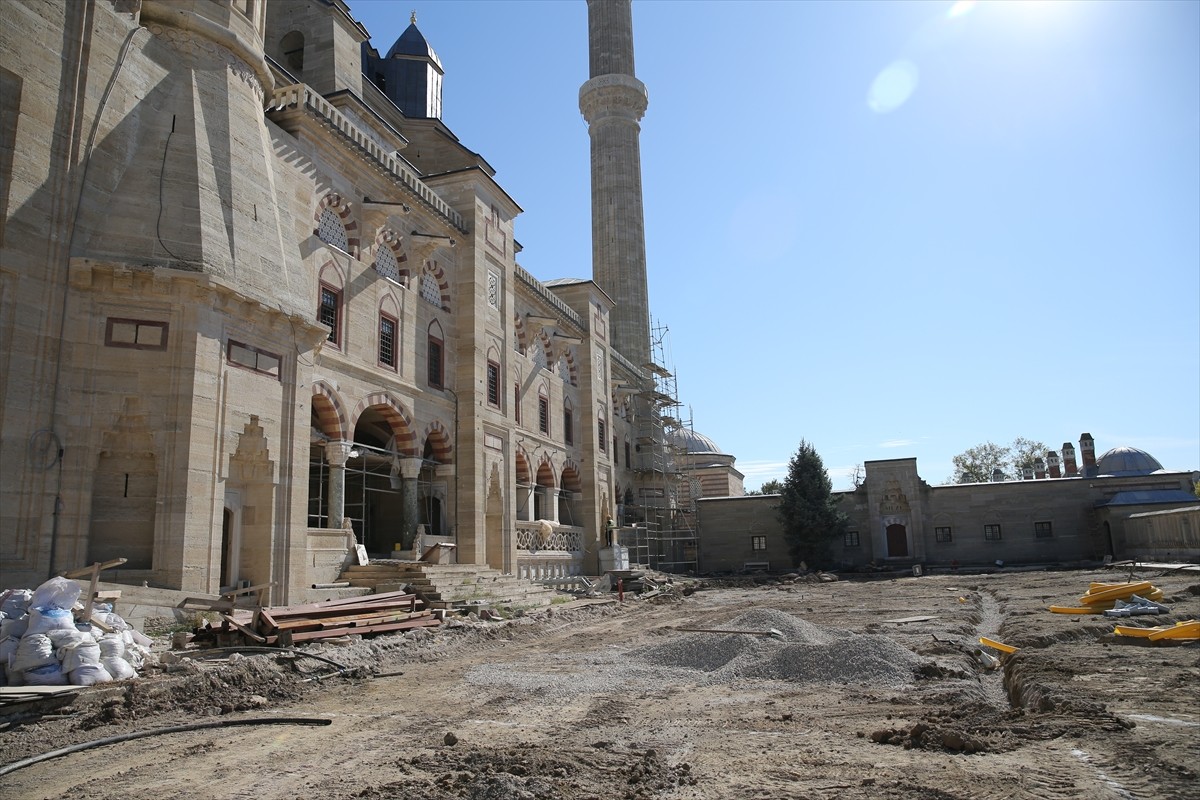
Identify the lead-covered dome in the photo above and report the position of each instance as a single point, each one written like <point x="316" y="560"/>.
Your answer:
<point x="1125" y="461"/>
<point x="412" y="43"/>
<point x="693" y="443"/>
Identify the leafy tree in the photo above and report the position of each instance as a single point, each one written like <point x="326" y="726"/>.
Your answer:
<point x="773" y="486"/>
<point x="976" y="464"/>
<point x="807" y="509"/>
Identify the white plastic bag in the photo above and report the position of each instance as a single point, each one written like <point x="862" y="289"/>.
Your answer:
<point x="75" y="655"/>
<point x="35" y="650"/>
<point x="112" y="646"/>
<point x="16" y="627"/>
<point x="119" y="668"/>
<point x="43" y="619"/>
<point x="88" y="674"/>
<point x="57" y="592"/>
<point x="17" y="603"/>
<point x="46" y="675"/>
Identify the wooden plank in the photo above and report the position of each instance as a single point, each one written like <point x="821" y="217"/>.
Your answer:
<point x="346" y="622"/>
<point x="84" y="572"/>
<point x="246" y="630"/>
<point x="904" y="620"/>
<point x="91" y="595"/>
<point x="280" y="613"/>
<point x="423" y="622"/>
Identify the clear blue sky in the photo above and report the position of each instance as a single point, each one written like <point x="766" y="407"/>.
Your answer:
<point x="894" y="229"/>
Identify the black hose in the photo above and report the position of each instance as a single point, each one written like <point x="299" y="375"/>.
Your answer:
<point x="125" y="737"/>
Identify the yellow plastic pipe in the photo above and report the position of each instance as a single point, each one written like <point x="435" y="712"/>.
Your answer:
<point x="1001" y="646"/>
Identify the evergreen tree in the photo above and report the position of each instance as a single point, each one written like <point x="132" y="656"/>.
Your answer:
<point x="807" y="509"/>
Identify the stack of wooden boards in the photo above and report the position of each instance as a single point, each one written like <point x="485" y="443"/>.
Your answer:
<point x="1101" y="596"/>
<point x="284" y="626"/>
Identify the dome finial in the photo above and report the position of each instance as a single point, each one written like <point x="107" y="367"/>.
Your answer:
<point x="412" y="20"/>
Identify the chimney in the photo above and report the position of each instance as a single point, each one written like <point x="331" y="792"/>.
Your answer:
<point x="1087" y="450"/>
<point x="1054" y="464"/>
<point x="1026" y="473"/>
<point x="1039" y="469"/>
<point x="1069" y="459"/>
<point x="997" y="475"/>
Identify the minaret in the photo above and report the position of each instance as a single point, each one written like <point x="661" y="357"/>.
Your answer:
<point x="612" y="102"/>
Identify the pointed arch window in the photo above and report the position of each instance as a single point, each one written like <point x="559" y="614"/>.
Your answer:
<point x="568" y="424"/>
<point x="430" y="291"/>
<point x="435" y="358"/>
<point x="386" y="263"/>
<point x="331" y="231"/>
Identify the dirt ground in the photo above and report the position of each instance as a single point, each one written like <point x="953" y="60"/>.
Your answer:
<point x="608" y="700"/>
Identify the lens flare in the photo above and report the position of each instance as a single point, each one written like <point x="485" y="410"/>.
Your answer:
<point x="960" y="8"/>
<point x="892" y="86"/>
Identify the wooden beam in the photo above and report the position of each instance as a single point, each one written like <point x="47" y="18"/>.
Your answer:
<point x="84" y="572"/>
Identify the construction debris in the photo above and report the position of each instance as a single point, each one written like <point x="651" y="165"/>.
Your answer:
<point x="282" y="626"/>
<point x="1102" y="597"/>
<point x="49" y="638"/>
<point x="1135" y="607"/>
<point x="1186" y="631"/>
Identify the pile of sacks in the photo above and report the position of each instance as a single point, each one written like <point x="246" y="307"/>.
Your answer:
<point x="41" y="644"/>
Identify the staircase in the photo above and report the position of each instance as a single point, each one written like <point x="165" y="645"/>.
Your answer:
<point x="450" y="585"/>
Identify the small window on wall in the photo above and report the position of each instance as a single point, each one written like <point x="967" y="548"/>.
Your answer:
<point x="627" y="459"/>
<point x="603" y="434"/>
<point x="517" y="403"/>
<point x="137" y="334"/>
<point x="252" y="358"/>
<point x="329" y="312"/>
<point x="493" y="384"/>
<point x="434" y="365"/>
<point x="758" y="543"/>
<point x="991" y="533"/>
<point x="851" y="539"/>
<point x="544" y="414"/>
<point x="387" y="341"/>
<point x="568" y="426"/>
<point x="1043" y="530"/>
<point x="943" y="535"/>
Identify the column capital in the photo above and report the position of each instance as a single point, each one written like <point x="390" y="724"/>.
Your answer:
<point x="410" y="468"/>
<point x="337" y="453"/>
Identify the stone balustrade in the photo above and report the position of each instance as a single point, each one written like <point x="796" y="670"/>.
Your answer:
<point x="558" y="556"/>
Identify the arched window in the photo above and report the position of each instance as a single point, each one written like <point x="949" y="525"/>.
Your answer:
<point x="292" y="45"/>
<point x="568" y="423"/>
<point x="430" y="291"/>
<point x="539" y="355"/>
<point x="435" y="357"/>
<point x="331" y="231"/>
<point x="386" y="263"/>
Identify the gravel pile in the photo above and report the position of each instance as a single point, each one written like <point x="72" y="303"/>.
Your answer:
<point x="807" y="653"/>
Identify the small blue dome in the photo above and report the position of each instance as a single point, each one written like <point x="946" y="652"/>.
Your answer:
<point x="1127" y="461"/>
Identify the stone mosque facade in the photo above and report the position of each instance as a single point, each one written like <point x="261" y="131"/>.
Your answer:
<point x="259" y="305"/>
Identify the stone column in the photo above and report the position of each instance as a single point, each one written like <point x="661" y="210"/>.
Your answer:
<point x="336" y="454"/>
<point x="410" y="470"/>
<point x="526" y="514"/>
<point x="550" y="509"/>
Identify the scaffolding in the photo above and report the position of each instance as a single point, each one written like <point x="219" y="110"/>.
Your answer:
<point x="372" y="496"/>
<point x="665" y="537"/>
